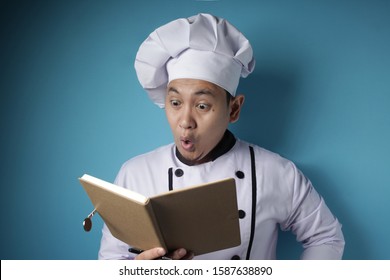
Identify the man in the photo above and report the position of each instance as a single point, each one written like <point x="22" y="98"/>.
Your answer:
<point x="191" y="67"/>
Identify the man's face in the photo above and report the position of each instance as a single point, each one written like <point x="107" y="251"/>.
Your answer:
<point x="198" y="114"/>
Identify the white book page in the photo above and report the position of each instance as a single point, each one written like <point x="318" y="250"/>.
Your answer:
<point x="114" y="188"/>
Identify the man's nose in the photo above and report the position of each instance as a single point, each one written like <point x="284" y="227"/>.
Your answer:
<point x="187" y="121"/>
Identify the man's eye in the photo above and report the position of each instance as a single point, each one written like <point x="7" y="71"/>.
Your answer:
<point x="203" y="106"/>
<point x="175" y="103"/>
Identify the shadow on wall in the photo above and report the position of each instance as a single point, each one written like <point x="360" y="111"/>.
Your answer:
<point x="269" y="101"/>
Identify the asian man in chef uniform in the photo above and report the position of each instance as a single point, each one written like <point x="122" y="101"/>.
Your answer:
<point x="191" y="67"/>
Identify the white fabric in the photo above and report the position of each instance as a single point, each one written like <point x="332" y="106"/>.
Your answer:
<point x="285" y="199"/>
<point x="200" y="47"/>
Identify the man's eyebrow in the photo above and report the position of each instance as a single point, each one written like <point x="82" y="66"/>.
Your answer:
<point x="198" y="92"/>
<point x="172" y="89"/>
<point x="205" y="91"/>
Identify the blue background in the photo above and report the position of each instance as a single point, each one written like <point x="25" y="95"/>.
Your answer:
<point x="71" y="104"/>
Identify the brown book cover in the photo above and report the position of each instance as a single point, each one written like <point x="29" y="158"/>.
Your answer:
<point x="202" y="218"/>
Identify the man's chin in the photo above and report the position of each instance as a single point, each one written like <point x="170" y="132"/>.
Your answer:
<point x="190" y="158"/>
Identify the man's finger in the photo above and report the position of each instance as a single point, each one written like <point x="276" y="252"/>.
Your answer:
<point x="151" y="254"/>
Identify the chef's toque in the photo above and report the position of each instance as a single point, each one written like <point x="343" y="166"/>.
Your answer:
<point x="201" y="47"/>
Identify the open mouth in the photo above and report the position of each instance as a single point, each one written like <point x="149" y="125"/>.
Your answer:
<point x="187" y="144"/>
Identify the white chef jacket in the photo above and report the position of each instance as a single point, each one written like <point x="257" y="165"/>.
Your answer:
<point x="271" y="193"/>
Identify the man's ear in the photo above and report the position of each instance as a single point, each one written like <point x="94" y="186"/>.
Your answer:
<point x="235" y="107"/>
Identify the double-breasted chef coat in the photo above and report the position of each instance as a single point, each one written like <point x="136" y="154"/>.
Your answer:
<point x="271" y="193"/>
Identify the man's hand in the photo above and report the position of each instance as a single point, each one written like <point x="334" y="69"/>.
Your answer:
<point x="156" y="253"/>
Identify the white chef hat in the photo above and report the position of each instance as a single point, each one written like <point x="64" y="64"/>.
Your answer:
<point x="201" y="47"/>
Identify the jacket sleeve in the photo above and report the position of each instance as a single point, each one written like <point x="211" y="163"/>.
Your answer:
<point x="112" y="248"/>
<point x="312" y="222"/>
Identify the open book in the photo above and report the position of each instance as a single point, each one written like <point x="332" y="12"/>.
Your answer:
<point x="201" y="218"/>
